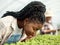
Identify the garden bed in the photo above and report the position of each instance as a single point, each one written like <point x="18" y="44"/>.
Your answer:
<point x="40" y="40"/>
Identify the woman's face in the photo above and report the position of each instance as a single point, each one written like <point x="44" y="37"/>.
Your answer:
<point x="34" y="25"/>
<point x="37" y="26"/>
<point x="31" y="28"/>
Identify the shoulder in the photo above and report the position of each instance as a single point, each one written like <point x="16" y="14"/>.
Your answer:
<point x="8" y="17"/>
<point x="7" y="20"/>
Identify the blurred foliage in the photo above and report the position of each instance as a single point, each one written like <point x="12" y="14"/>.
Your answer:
<point x="40" y="40"/>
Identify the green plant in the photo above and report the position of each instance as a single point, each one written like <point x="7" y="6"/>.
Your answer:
<point x="40" y="40"/>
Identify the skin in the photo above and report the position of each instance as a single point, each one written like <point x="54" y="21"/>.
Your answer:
<point x="29" y="27"/>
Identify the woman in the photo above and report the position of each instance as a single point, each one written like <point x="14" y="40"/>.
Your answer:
<point x="30" y="18"/>
<point x="48" y="27"/>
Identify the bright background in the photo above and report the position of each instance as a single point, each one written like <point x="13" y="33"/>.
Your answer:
<point x="15" y="5"/>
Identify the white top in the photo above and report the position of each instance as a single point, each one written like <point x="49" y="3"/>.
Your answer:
<point x="8" y="24"/>
<point x="47" y="26"/>
<point x="10" y="21"/>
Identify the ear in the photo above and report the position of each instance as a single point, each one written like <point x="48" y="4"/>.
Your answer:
<point x="26" y="21"/>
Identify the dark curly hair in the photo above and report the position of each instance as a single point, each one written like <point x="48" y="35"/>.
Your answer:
<point x="34" y="10"/>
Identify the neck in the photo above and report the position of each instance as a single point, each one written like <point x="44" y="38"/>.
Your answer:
<point x="20" y="23"/>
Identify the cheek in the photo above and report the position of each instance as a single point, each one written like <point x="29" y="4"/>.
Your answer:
<point x="40" y="26"/>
